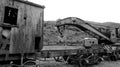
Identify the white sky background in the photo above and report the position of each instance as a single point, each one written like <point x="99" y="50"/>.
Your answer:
<point x="91" y="10"/>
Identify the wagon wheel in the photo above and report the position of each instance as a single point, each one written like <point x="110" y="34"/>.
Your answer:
<point x="58" y="58"/>
<point x="113" y="57"/>
<point x="118" y="54"/>
<point x="67" y="59"/>
<point x="80" y="64"/>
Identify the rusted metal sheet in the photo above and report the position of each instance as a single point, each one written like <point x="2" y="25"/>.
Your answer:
<point x="29" y="25"/>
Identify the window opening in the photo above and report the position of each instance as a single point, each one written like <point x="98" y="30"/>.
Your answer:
<point x="10" y="15"/>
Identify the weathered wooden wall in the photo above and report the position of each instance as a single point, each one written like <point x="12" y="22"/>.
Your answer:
<point x="29" y="22"/>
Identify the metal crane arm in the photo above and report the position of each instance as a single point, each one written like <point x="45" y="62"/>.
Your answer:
<point x="73" y="21"/>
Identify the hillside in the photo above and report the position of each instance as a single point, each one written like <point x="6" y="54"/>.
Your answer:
<point x="109" y="24"/>
<point x="52" y="37"/>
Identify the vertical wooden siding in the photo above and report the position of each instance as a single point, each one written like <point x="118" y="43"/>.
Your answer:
<point x="29" y="23"/>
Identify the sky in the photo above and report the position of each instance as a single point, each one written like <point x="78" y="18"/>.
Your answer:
<point x="90" y="10"/>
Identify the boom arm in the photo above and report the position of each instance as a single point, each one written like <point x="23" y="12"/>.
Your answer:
<point x="73" y="21"/>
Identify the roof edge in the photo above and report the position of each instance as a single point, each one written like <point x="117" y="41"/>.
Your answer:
<point x="30" y="3"/>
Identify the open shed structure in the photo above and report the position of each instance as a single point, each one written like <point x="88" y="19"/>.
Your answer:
<point x="21" y="29"/>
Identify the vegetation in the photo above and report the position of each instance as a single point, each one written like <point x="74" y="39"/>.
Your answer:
<point x="71" y="35"/>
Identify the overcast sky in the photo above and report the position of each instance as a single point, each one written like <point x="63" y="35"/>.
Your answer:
<point x="91" y="10"/>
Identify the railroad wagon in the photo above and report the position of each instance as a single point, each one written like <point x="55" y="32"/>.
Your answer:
<point x="21" y="24"/>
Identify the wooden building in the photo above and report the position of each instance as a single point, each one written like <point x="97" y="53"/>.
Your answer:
<point x="21" y="27"/>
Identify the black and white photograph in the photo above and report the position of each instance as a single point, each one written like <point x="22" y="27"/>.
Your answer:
<point x="59" y="33"/>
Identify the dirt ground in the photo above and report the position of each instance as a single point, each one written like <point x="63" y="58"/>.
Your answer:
<point x="52" y="63"/>
<point x="109" y="64"/>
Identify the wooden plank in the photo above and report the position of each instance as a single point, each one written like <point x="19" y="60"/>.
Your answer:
<point x="45" y="48"/>
<point x="53" y="51"/>
<point x="29" y="22"/>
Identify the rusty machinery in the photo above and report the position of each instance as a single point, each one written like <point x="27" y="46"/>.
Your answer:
<point x="21" y="34"/>
<point x="103" y="49"/>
